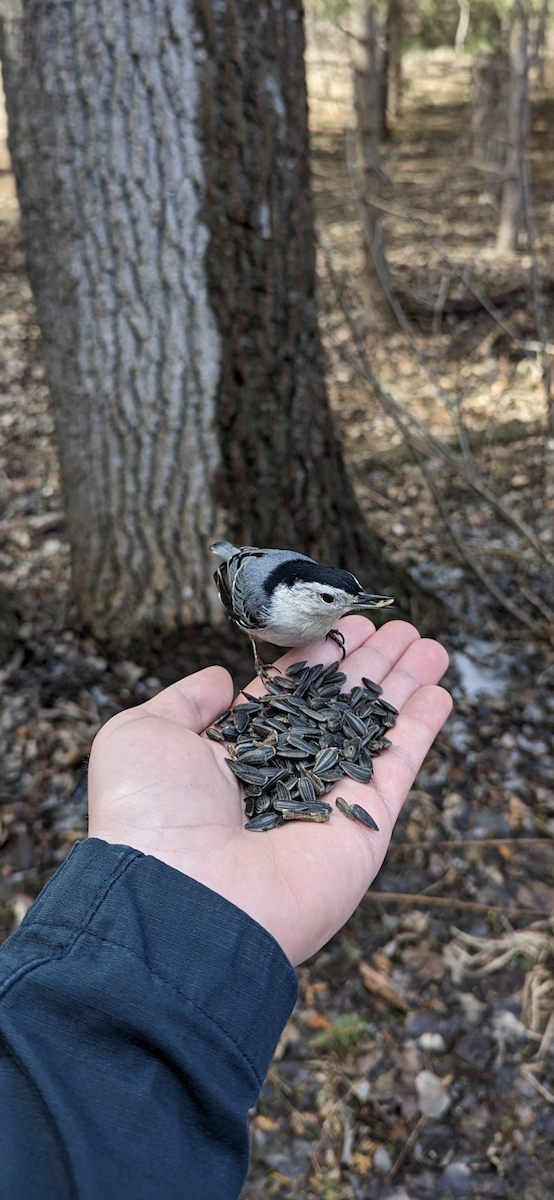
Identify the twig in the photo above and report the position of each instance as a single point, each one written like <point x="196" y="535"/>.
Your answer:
<point x="444" y="1083"/>
<point x="527" y="1070"/>
<point x="403" y="418"/>
<point x="546" y="1039"/>
<point x="458" y="842"/>
<point x="438" y="307"/>
<point x="538" y="603"/>
<point x="446" y="902"/>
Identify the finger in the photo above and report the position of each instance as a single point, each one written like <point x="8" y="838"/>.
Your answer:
<point x="194" y="701"/>
<point x="425" y="661"/>
<point x="379" y="654"/>
<point x="355" y="631"/>
<point x="422" y="716"/>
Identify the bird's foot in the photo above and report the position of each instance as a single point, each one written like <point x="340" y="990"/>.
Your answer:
<point x="335" y="635"/>
<point x="262" y="669"/>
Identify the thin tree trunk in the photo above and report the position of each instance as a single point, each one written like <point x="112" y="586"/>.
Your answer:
<point x="369" y="99"/>
<point x="463" y="26"/>
<point x="517" y="133"/>
<point x="393" y="63"/>
<point x="161" y="157"/>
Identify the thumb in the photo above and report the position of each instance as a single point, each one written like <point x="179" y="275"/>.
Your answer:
<point x="194" y="701"/>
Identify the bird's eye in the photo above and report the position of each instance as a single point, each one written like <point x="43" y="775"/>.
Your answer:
<point x="327" y="598"/>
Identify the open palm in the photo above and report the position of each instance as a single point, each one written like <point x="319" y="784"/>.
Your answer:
<point x="157" y="784"/>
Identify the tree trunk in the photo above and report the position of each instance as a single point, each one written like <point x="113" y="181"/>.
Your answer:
<point x="517" y="133"/>
<point x="369" y="102"/>
<point x="161" y="158"/>
<point x="463" y="26"/>
<point x="489" y="101"/>
<point x="393" y="63"/>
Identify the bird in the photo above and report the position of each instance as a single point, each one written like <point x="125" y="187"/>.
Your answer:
<point x="283" y="597"/>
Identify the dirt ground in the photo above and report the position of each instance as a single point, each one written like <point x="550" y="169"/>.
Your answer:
<point x="418" y="1064"/>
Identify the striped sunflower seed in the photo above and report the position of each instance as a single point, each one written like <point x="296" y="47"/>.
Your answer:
<point x="281" y="793"/>
<point x="360" y="774"/>
<point x="331" y="774"/>
<point x="320" y="788"/>
<point x="241" y="718"/>
<point x="283" y="703"/>
<point x="299" y="743"/>
<point x="258" y="757"/>
<point x="262" y="803"/>
<point x="290" y="806"/>
<point x="325" y="759"/>
<point x="269" y="820"/>
<point x="294" y="752"/>
<point x="371" y="686"/>
<point x="248" y="774"/>
<point x="353" y="725"/>
<point x="363" y="816"/>
<point x="306" y="790"/>
<point x="214" y="734"/>
<point x="229" y="731"/>
<point x="296" y="668"/>
<point x="314" y="673"/>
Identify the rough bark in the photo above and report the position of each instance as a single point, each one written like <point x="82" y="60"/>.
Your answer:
<point x="161" y="157"/>
<point x="517" y="134"/>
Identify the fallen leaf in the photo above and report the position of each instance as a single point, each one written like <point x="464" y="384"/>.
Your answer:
<point x="380" y="986"/>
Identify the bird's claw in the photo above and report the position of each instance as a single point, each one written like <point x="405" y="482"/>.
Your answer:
<point x="336" y="636"/>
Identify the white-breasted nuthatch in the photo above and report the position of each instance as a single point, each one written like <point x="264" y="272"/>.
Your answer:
<point x="286" y="598"/>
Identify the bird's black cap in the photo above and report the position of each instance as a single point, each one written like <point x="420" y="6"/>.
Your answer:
<point x="301" y="570"/>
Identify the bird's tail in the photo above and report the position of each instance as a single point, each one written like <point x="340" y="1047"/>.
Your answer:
<point x="224" y="549"/>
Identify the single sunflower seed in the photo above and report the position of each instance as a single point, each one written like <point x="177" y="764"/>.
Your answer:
<point x="268" y="820"/>
<point x="306" y="790"/>
<point x="363" y="816"/>
<point x="360" y="774"/>
<point x="214" y="734"/>
<point x="296" y="668"/>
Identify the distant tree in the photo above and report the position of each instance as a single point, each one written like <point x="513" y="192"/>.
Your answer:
<point x="161" y="157"/>
<point x="517" y="133"/>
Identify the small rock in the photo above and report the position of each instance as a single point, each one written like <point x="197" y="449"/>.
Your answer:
<point x="382" y="1160"/>
<point x="434" y="1042"/>
<point x="434" y="1099"/>
<point x="128" y="672"/>
<point x="457" y="1179"/>
<point x="473" y="1008"/>
<point x="20" y="538"/>
<point x="361" y="1089"/>
<point x="20" y="906"/>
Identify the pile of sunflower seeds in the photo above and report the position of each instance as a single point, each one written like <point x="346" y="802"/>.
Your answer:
<point x="292" y="745"/>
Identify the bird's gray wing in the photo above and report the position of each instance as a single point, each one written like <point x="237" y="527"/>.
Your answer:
<point x="247" y="574"/>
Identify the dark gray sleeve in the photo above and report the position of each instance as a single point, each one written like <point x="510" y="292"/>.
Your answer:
<point x="138" y="1015"/>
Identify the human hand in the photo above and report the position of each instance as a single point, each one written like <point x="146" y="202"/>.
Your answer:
<point x="157" y="784"/>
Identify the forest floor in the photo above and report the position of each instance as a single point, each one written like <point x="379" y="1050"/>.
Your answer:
<point x="418" y="1064"/>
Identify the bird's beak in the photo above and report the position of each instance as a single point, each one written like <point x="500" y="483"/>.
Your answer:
<point x="366" y="600"/>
